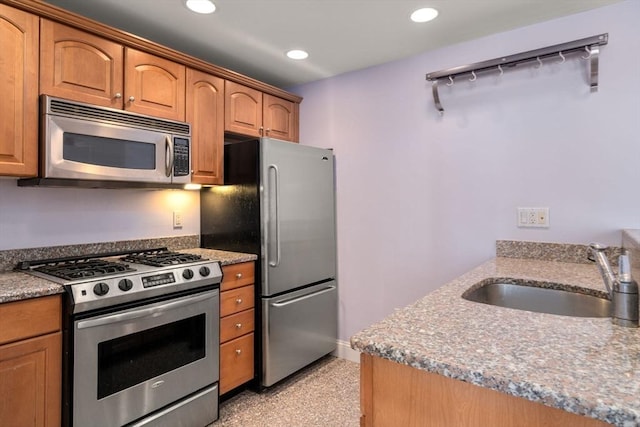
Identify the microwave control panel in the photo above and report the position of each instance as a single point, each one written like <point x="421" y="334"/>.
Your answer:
<point x="181" y="157"/>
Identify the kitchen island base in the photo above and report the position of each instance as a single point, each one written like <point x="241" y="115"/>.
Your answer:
<point x="392" y="394"/>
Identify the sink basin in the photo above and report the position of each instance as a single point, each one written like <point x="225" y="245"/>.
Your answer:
<point x="530" y="296"/>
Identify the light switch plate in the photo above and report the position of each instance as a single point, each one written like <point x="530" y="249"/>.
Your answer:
<point x="177" y="219"/>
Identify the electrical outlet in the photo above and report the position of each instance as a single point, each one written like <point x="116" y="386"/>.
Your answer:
<point x="177" y="219"/>
<point x="533" y="217"/>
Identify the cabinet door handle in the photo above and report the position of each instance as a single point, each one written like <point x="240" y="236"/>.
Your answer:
<point x="118" y="95"/>
<point x="239" y="301"/>
<point x="132" y="98"/>
<point x="239" y="276"/>
<point x="238" y="325"/>
<point x="238" y="352"/>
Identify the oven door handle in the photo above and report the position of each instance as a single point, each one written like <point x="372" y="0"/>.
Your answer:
<point x="145" y="312"/>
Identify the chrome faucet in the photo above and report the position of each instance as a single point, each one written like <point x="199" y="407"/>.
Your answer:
<point x="623" y="290"/>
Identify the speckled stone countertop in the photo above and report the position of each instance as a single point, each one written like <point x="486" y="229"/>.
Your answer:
<point x="586" y="366"/>
<point x="15" y="286"/>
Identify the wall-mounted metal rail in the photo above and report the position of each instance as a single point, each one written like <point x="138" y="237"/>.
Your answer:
<point x="589" y="47"/>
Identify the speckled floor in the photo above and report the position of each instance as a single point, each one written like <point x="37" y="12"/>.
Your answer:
<point x="324" y="394"/>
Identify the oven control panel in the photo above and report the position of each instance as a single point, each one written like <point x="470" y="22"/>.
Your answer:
<point x="142" y="284"/>
<point x="157" y="280"/>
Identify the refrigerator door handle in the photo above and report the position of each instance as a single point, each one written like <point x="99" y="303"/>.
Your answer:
<point x="289" y="301"/>
<point x="277" y="216"/>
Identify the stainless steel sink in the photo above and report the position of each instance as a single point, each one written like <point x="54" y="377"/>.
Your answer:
<point x="527" y="296"/>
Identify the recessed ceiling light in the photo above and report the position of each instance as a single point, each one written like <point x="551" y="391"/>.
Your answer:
<point x="201" y="6"/>
<point x="424" y="15"/>
<point x="297" y="54"/>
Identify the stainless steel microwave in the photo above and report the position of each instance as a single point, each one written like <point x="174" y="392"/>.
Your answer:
<point x="88" y="142"/>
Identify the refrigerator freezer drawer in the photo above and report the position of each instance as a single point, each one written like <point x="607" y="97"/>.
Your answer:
<point x="298" y="328"/>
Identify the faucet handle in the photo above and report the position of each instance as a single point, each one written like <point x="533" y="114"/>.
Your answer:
<point x="624" y="268"/>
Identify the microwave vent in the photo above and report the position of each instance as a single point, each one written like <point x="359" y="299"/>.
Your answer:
<point x="66" y="108"/>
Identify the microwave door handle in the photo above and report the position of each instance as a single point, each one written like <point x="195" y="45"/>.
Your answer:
<point x="168" y="160"/>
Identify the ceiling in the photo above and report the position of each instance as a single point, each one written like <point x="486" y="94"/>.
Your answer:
<point x="252" y="36"/>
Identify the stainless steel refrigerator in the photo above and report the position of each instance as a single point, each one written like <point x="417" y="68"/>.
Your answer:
<point x="279" y="202"/>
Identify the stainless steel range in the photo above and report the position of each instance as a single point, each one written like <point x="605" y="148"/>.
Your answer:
<point x="141" y="337"/>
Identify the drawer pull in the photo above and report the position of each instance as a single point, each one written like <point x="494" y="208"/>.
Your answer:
<point x="238" y="352"/>
<point x="239" y="276"/>
<point x="239" y="301"/>
<point x="238" y="325"/>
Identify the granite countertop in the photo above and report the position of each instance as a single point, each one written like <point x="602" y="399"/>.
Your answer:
<point x="16" y="286"/>
<point x="586" y="366"/>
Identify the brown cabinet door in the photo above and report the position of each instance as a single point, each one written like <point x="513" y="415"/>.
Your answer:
<point x="205" y="112"/>
<point x="236" y="362"/>
<point x="236" y="300"/>
<point x="30" y="382"/>
<point x="19" y="100"/>
<point x="242" y="110"/>
<point x="236" y="325"/>
<point x="280" y="118"/>
<point x="154" y="86"/>
<point x="237" y="275"/>
<point x="80" y="66"/>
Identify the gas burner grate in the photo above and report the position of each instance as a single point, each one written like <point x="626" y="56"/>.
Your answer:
<point x="161" y="258"/>
<point x="84" y="269"/>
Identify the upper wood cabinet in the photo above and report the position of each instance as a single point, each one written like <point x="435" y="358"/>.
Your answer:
<point x="80" y="66"/>
<point x="153" y="85"/>
<point x="280" y="118"/>
<point x="83" y="67"/>
<point x="250" y="112"/>
<point x="205" y="112"/>
<point x="242" y="110"/>
<point x="19" y="101"/>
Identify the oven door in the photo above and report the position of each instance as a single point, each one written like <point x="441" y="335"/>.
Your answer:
<point x="130" y="363"/>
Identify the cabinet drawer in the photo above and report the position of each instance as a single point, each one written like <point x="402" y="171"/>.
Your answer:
<point x="237" y="325"/>
<point x="236" y="300"/>
<point x="29" y="318"/>
<point x="237" y="275"/>
<point x="236" y="363"/>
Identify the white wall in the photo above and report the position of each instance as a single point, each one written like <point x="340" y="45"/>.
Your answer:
<point x="422" y="198"/>
<point x="35" y="217"/>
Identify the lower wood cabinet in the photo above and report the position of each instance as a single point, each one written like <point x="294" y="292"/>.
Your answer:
<point x="30" y="362"/>
<point x="237" y="325"/>
<point x="236" y="362"/>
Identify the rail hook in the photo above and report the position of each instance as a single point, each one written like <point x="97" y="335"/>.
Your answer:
<point x="586" y="49"/>
<point x="450" y="81"/>
<point x="473" y="79"/>
<point x="562" y="57"/>
<point x="539" y="62"/>
<point x="501" y="70"/>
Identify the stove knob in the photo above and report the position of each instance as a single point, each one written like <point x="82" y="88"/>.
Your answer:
<point x="125" y="285"/>
<point x="187" y="274"/>
<point x="101" y="289"/>
<point x="204" y="271"/>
